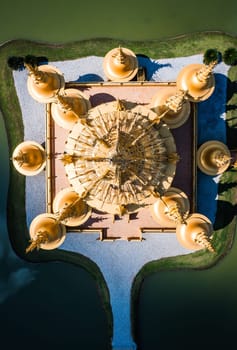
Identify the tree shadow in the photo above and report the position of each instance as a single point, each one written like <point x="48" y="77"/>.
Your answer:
<point x="133" y="216"/>
<point x="224" y="214"/>
<point x="210" y="113"/>
<point x="231" y="125"/>
<point x="150" y="65"/>
<point x="207" y="190"/>
<point x="231" y="89"/>
<point x="99" y="98"/>
<point x="88" y="78"/>
<point x="223" y="187"/>
<point x="231" y="133"/>
<point x="94" y="219"/>
<point x="231" y="108"/>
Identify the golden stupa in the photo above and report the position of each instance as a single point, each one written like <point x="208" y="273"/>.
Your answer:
<point x="120" y="64"/>
<point x="172" y="106"/>
<point x="172" y="208"/>
<point x="69" y="208"/>
<point x="213" y="157"/>
<point x="44" y="82"/>
<point x="68" y="107"/>
<point x="46" y="232"/>
<point x="195" y="233"/>
<point x="29" y="158"/>
<point x="119" y="158"/>
<point x="197" y="80"/>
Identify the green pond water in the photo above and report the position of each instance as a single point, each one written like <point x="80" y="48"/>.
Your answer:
<point x="59" y="306"/>
<point x="58" y="21"/>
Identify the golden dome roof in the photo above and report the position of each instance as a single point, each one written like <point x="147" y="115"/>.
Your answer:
<point x="120" y="64"/>
<point x="197" y="80"/>
<point x="173" y="105"/>
<point x="44" y="82"/>
<point x="46" y="226"/>
<point x="195" y="233"/>
<point x="120" y="157"/>
<point x="69" y="107"/>
<point x="213" y="157"/>
<point x="171" y="208"/>
<point x="29" y="158"/>
<point x="69" y="208"/>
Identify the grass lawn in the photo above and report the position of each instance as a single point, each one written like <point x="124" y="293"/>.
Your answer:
<point x="185" y="45"/>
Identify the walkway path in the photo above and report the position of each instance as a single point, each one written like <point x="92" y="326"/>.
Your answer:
<point x="120" y="261"/>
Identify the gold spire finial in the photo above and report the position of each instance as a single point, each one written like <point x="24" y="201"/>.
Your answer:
<point x="202" y="239"/>
<point x="67" y="158"/>
<point x="221" y="159"/>
<point x="69" y="211"/>
<point x="120" y="106"/>
<point x="121" y="210"/>
<point x="175" y="102"/>
<point x="120" y="56"/>
<point x="63" y="102"/>
<point x="42" y="237"/>
<point x="173" y="211"/>
<point x="20" y="158"/>
<point x="173" y="158"/>
<point x="204" y="73"/>
<point x="34" y="72"/>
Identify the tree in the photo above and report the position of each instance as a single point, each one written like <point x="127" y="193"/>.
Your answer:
<point x="42" y="60"/>
<point x="211" y="55"/>
<point x="230" y="56"/>
<point x="16" y="62"/>
<point x="31" y="60"/>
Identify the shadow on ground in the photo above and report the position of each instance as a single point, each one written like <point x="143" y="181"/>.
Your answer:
<point x="225" y="214"/>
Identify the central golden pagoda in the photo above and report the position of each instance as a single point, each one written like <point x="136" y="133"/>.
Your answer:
<point x="121" y="159"/>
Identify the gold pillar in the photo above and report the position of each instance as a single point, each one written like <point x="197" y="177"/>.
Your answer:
<point x="213" y="157"/>
<point x="46" y="232"/>
<point x="197" y="80"/>
<point x="29" y="158"/>
<point x="172" y="106"/>
<point x="170" y="209"/>
<point x="195" y="233"/>
<point x="44" y="82"/>
<point x="120" y="64"/>
<point x="69" y="208"/>
<point x="68" y="107"/>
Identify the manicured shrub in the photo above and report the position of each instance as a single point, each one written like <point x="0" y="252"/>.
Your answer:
<point x="211" y="55"/>
<point x="16" y="62"/>
<point x="230" y="56"/>
<point x="42" y="60"/>
<point x="31" y="60"/>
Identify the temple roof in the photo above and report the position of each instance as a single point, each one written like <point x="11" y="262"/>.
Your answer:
<point x="120" y="158"/>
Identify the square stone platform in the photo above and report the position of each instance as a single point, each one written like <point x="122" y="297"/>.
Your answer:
<point x="127" y="227"/>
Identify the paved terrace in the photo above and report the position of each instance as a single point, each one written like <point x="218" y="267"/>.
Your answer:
<point x="139" y="93"/>
<point x="120" y="261"/>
